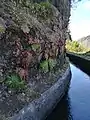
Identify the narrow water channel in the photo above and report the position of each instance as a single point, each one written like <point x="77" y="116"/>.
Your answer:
<point x="76" y="103"/>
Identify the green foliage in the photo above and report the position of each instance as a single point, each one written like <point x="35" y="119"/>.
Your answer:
<point x="2" y="29"/>
<point x="74" y="46"/>
<point x="35" y="47"/>
<point x="21" y="14"/>
<point x="52" y="63"/>
<point x="48" y="65"/>
<point x="41" y="10"/>
<point x="44" y="66"/>
<point x="15" y="82"/>
<point x="23" y="2"/>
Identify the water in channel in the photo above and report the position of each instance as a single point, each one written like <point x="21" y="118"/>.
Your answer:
<point x="76" y="104"/>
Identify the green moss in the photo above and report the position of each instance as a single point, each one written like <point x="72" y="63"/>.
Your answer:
<point x="35" y="47"/>
<point x="2" y="29"/>
<point x="52" y="63"/>
<point x="42" y="10"/>
<point x="47" y="65"/>
<point x="44" y="66"/>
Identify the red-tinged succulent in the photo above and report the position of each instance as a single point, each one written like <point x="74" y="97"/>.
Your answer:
<point x="26" y="58"/>
<point x="23" y="73"/>
<point x="18" y="46"/>
<point x="30" y="39"/>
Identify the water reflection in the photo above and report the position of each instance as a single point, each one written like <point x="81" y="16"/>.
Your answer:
<point x="79" y="94"/>
<point x="62" y="111"/>
<point x="75" y="105"/>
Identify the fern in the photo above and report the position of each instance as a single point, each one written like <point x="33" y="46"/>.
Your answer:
<point x="15" y="82"/>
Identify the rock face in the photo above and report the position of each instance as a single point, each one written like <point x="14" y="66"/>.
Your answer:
<point x="42" y="107"/>
<point x="85" y="41"/>
<point x="32" y="47"/>
<point x="32" y="34"/>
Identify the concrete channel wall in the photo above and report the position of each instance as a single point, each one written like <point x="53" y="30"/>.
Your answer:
<point x="83" y="63"/>
<point x="40" y="108"/>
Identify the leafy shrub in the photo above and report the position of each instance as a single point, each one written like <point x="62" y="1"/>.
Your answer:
<point x="15" y="82"/>
<point x="74" y="46"/>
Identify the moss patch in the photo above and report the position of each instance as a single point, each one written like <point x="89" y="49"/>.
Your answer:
<point x="44" y="66"/>
<point x="48" y="65"/>
<point x="35" y="47"/>
<point x="2" y="29"/>
<point x="42" y="10"/>
<point x="52" y="63"/>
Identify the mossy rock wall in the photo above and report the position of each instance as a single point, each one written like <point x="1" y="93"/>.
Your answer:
<point x="31" y="34"/>
<point x="32" y="48"/>
<point x="40" y="108"/>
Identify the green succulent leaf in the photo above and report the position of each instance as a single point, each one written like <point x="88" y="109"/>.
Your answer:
<point x="44" y="66"/>
<point x="35" y="47"/>
<point x="52" y="63"/>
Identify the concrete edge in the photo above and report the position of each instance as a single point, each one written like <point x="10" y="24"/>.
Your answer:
<point x="73" y="54"/>
<point x="82" y="63"/>
<point x="42" y="107"/>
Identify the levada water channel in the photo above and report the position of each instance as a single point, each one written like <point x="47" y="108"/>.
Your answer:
<point x="75" y="105"/>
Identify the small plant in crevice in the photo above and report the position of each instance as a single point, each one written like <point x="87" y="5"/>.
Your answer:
<point x="42" y="10"/>
<point x="50" y="55"/>
<point x="15" y="82"/>
<point x="75" y="46"/>
<point x="2" y="29"/>
<point x="48" y="65"/>
<point x="35" y="47"/>
<point x="44" y="66"/>
<point x="52" y="63"/>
